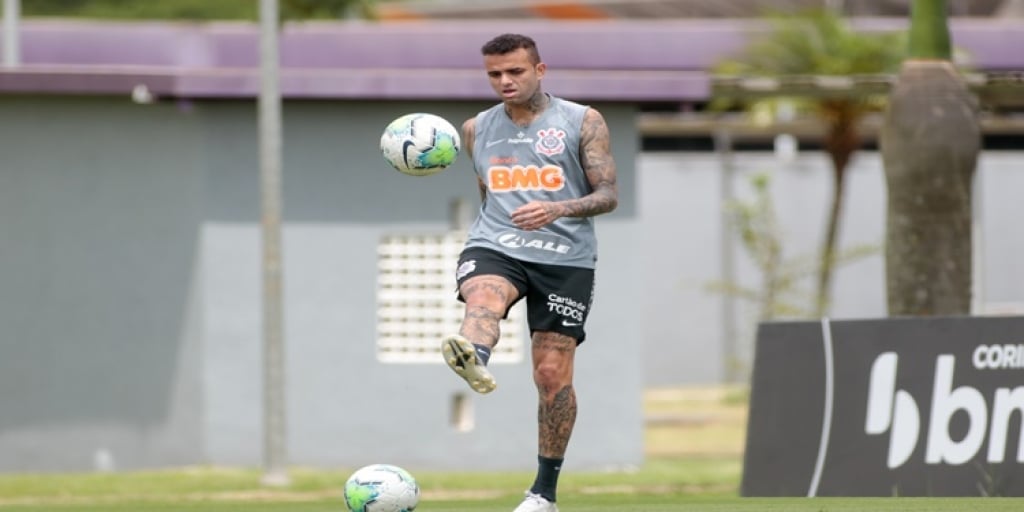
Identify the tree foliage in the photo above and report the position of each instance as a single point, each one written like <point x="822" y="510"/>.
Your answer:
<point x="782" y="292"/>
<point x="817" y="42"/>
<point x="821" y="43"/>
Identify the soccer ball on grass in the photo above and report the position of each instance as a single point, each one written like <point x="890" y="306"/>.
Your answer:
<point x="420" y="144"/>
<point x="381" y="488"/>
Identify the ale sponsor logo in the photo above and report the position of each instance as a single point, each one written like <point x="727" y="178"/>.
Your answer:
<point x="537" y="242"/>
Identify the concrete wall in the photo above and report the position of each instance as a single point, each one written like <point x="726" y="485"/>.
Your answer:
<point x="101" y="204"/>
<point x="131" y="295"/>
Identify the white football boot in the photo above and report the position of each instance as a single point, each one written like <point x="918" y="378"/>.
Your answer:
<point x="535" y="503"/>
<point x="461" y="356"/>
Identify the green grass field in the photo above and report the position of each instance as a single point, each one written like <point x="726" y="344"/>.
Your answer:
<point x="582" y="503"/>
<point x="694" y="462"/>
<point x="231" y="488"/>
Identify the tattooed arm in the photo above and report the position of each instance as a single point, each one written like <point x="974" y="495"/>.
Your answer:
<point x="468" y="136"/>
<point x="599" y="166"/>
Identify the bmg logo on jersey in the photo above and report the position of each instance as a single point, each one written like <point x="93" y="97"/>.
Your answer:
<point x="502" y="178"/>
<point x="898" y="412"/>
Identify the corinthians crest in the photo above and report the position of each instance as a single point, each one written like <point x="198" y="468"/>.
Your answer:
<point x="550" y="141"/>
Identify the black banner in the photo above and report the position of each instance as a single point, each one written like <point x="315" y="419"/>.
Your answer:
<point x="890" y="407"/>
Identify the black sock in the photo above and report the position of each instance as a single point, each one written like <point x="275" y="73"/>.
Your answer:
<point x="483" y="352"/>
<point x="547" y="477"/>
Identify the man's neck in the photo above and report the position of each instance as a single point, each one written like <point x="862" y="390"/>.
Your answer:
<point x="523" y="115"/>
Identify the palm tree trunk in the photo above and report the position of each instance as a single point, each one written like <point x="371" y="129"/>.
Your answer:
<point x="930" y="142"/>
<point x="841" y="141"/>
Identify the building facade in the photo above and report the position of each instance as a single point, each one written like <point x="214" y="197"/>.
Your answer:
<point x="130" y="225"/>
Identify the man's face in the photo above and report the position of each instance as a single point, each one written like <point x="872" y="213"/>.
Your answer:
<point x="513" y="76"/>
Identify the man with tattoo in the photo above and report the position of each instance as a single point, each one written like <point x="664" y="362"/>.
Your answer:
<point x="544" y="169"/>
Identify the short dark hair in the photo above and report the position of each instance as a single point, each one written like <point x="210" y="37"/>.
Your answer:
<point x="507" y="43"/>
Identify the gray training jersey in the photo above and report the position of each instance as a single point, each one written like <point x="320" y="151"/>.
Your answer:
<point x="539" y="162"/>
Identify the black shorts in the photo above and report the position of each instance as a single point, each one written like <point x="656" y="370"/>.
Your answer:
<point x="558" y="298"/>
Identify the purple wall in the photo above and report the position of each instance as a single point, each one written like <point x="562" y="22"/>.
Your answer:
<point x="607" y="60"/>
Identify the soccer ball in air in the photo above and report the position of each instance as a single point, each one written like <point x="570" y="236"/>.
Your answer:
<point x="420" y="144"/>
<point x="381" y="488"/>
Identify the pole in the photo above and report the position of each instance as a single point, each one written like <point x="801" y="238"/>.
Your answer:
<point x="274" y="449"/>
<point x="12" y="52"/>
<point x="978" y="289"/>
<point x="731" y="357"/>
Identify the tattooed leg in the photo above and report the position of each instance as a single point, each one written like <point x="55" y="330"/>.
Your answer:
<point x="467" y="353"/>
<point x="553" y="355"/>
<point x="487" y="298"/>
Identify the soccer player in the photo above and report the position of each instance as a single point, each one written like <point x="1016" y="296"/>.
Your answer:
<point x="545" y="170"/>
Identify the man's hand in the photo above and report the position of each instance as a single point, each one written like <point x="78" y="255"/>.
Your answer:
<point x="537" y="214"/>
